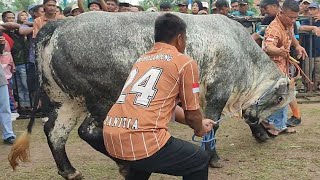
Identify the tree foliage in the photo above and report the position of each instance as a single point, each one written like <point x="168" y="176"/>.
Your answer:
<point x="20" y="5"/>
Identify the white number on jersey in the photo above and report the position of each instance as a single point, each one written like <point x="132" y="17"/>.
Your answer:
<point x="144" y="87"/>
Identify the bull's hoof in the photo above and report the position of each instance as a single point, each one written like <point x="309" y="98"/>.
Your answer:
<point x="261" y="138"/>
<point x="215" y="164"/>
<point x="77" y="175"/>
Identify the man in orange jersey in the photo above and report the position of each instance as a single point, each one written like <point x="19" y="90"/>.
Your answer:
<point x="136" y="128"/>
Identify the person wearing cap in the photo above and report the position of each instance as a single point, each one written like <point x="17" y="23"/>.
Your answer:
<point x="234" y="5"/>
<point x="222" y="7"/>
<point x="93" y="5"/>
<point x="165" y="6"/>
<point x="75" y="10"/>
<point x="196" y="7"/>
<point x="314" y="11"/>
<point x="183" y="7"/>
<point x="278" y="39"/>
<point x="214" y="8"/>
<point x="243" y="9"/>
<point x="124" y="7"/>
<point x="205" y="6"/>
<point x="35" y="11"/>
<point x="109" y="5"/>
<point x="304" y="7"/>
<point x="49" y="7"/>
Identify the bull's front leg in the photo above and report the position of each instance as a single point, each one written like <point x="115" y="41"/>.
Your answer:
<point x="256" y="128"/>
<point x="57" y="129"/>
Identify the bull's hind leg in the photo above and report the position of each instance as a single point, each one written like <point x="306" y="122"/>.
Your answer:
<point x="57" y="129"/>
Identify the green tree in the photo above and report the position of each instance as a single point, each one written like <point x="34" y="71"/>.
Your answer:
<point x="20" y="5"/>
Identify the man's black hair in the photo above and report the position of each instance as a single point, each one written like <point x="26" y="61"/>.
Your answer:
<point x="167" y="27"/>
<point x="233" y="1"/>
<point x="221" y="3"/>
<point x="291" y="5"/>
<point x="45" y="1"/>
<point x="36" y="8"/>
<point x="4" y="14"/>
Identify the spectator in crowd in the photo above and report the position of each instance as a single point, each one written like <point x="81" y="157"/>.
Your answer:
<point x="234" y="6"/>
<point x="109" y="5"/>
<point x="124" y="7"/>
<point x="59" y="11"/>
<point x="134" y="9"/>
<point x="205" y="6"/>
<point x="75" y="10"/>
<point x="243" y="12"/>
<point x="35" y="11"/>
<point x="313" y="12"/>
<point x="196" y="7"/>
<point x="20" y="58"/>
<point x="165" y="6"/>
<point x="67" y="11"/>
<point x="277" y="41"/>
<point x="243" y="9"/>
<point x="5" y="114"/>
<point x="49" y="15"/>
<point x="6" y="61"/>
<point x="157" y="150"/>
<point x="93" y="5"/>
<point x="214" y="8"/>
<point x="222" y="7"/>
<point x="304" y="7"/>
<point x="183" y="7"/>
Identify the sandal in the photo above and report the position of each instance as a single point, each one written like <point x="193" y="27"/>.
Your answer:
<point x="269" y="128"/>
<point x="288" y="131"/>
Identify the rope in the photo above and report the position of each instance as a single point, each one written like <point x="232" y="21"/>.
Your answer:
<point x="295" y="63"/>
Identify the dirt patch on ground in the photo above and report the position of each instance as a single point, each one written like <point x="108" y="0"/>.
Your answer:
<point x="295" y="156"/>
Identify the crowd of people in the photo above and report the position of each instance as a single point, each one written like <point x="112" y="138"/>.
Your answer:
<point x="18" y="31"/>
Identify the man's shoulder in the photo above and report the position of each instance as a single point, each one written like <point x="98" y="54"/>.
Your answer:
<point x="250" y="13"/>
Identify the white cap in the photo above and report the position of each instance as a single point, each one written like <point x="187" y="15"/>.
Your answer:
<point x="205" y="5"/>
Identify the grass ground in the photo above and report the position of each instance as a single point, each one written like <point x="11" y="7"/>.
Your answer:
<point x="295" y="156"/>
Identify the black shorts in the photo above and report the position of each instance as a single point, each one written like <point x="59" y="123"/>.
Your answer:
<point x="176" y="157"/>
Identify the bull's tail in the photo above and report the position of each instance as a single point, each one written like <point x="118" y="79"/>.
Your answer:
<point x="20" y="149"/>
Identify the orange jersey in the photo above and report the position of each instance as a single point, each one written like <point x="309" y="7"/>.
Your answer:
<point x="39" y="22"/>
<point x="136" y="126"/>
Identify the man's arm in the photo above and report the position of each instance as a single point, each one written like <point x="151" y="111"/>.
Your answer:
<point x="9" y="26"/>
<point x="271" y="39"/>
<point x="194" y="120"/>
<point x="80" y="5"/>
<point x="25" y="30"/>
<point x="103" y="5"/>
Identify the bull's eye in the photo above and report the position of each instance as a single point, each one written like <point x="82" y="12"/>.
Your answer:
<point x="280" y="98"/>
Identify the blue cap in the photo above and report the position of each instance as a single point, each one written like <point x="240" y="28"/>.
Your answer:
<point x="314" y="5"/>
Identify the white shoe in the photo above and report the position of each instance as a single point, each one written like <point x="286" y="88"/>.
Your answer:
<point x="14" y="116"/>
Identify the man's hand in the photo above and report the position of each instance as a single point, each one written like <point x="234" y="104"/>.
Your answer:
<point x="2" y="40"/>
<point x="301" y="52"/>
<point x="283" y="52"/>
<point x="207" y="125"/>
<point x="316" y="31"/>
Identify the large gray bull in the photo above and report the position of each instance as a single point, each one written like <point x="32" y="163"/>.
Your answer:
<point x="84" y="62"/>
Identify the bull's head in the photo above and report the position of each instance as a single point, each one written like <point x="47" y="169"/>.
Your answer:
<point x="274" y="98"/>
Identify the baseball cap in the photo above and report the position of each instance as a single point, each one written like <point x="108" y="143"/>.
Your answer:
<point x="74" y="7"/>
<point x="94" y="2"/>
<point x="308" y="1"/>
<point x="205" y="5"/>
<point x="314" y="5"/>
<point x="182" y="3"/>
<point x="243" y="1"/>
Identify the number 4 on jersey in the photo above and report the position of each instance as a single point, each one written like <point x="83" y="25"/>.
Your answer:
<point x="144" y="87"/>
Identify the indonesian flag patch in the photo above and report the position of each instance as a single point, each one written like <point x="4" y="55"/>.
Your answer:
<point x="195" y="88"/>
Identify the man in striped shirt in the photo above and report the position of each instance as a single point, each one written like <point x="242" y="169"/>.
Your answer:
<point x="278" y="38"/>
<point x="136" y="128"/>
